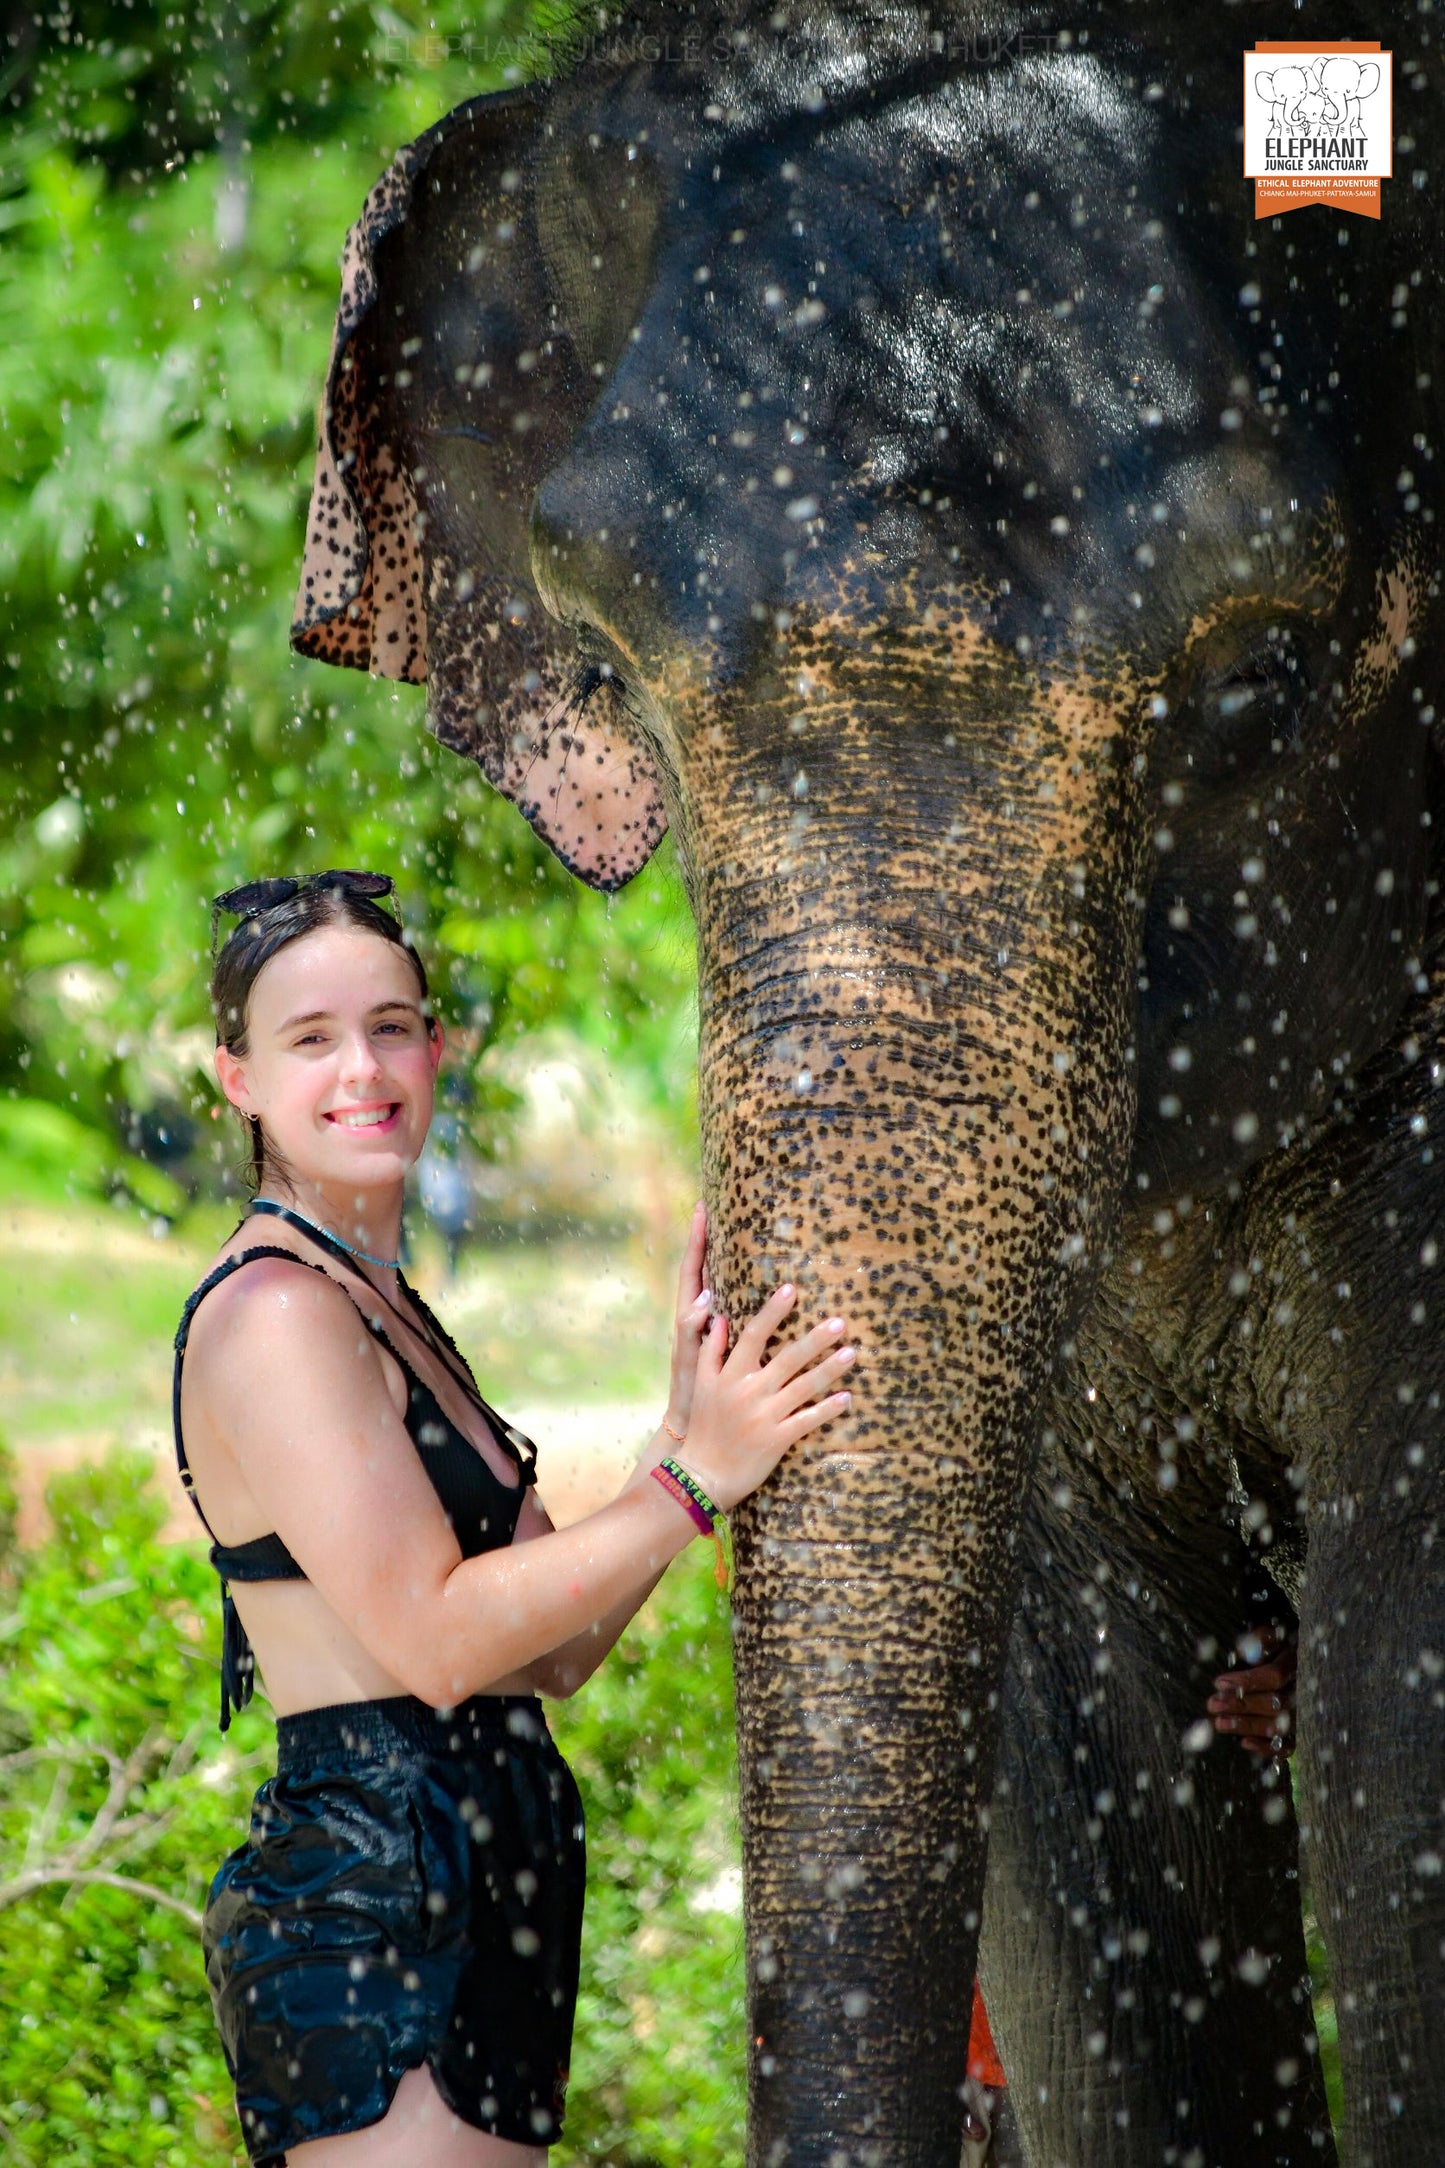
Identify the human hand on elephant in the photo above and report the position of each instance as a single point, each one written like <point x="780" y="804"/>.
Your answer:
<point x="739" y="1414"/>
<point x="690" y="1322"/>
<point x="1256" y="1703"/>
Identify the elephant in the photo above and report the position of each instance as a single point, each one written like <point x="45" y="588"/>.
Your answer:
<point x="877" y="443"/>
<point x="1342" y="82"/>
<point x="1287" y="91"/>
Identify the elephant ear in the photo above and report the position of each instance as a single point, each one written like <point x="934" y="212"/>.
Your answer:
<point x="455" y="381"/>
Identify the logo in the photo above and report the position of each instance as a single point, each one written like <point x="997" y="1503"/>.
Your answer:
<point x="1317" y="125"/>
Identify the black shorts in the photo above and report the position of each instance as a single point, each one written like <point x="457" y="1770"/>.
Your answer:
<point x="411" y="1892"/>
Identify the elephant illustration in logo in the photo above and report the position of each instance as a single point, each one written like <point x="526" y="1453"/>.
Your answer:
<point x="1342" y="82"/>
<point x="1329" y="91"/>
<point x="1284" y="89"/>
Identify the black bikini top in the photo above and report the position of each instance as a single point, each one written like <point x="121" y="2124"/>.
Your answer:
<point x="482" y="1509"/>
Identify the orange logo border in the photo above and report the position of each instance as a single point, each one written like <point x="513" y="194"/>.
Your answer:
<point x="1293" y="191"/>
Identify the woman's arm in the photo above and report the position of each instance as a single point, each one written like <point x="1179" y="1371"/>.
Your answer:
<point x="305" y="1410"/>
<point x="562" y="1670"/>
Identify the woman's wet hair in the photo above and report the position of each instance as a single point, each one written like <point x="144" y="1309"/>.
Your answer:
<point x="249" y="948"/>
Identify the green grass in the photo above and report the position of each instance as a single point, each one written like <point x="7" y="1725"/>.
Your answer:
<point x="91" y="1302"/>
<point x="571" y="1320"/>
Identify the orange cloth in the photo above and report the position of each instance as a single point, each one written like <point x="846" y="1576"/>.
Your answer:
<point x="983" y="2062"/>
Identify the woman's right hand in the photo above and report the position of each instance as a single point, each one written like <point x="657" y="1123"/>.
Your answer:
<point x="747" y="1412"/>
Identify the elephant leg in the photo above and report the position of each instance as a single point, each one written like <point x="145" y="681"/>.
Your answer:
<point x="1372" y="1783"/>
<point x="1143" y="1953"/>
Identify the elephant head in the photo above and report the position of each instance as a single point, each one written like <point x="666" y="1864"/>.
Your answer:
<point x="1286" y="90"/>
<point x="1343" y="82"/>
<point x="911" y="480"/>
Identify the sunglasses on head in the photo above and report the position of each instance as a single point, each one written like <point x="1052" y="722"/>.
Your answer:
<point x="253" y="897"/>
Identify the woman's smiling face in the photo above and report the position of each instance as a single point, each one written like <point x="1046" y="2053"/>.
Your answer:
<point x="341" y="1063"/>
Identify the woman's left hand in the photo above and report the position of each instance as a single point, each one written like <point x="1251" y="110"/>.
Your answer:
<point x="694" y="1309"/>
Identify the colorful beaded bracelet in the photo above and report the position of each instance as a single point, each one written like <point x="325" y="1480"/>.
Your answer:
<point x="695" y="1501"/>
<point x="694" y="1490"/>
<point x="667" y="1475"/>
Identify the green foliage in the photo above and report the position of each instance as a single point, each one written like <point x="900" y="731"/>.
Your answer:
<point x="109" y="1643"/>
<point x="658" y="2075"/>
<point x="144" y="89"/>
<point x="107" y="1708"/>
<point x="176" y="187"/>
<point x="50" y="1153"/>
<point x="1327" y="2030"/>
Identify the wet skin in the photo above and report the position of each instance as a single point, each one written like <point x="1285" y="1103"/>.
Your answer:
<point x="911" y="476"/>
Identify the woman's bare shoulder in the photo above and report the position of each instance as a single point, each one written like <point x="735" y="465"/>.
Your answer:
<point x="285" y="1364"/>
<point x="286" y="1293"/>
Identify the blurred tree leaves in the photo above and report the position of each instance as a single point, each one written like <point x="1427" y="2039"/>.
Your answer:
<point x="175" y="186"/>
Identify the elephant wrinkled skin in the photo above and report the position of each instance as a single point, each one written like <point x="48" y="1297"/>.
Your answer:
<point x="880" y="445"/>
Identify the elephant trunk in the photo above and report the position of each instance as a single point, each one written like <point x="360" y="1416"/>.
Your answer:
<point x="902" y="1113"/>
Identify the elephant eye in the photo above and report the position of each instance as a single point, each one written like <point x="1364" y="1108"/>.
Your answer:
<point x="598" y="668"/>
<point x="1252" y="706"/>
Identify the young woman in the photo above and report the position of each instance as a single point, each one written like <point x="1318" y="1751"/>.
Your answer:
<point x="393" y="1952"/>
